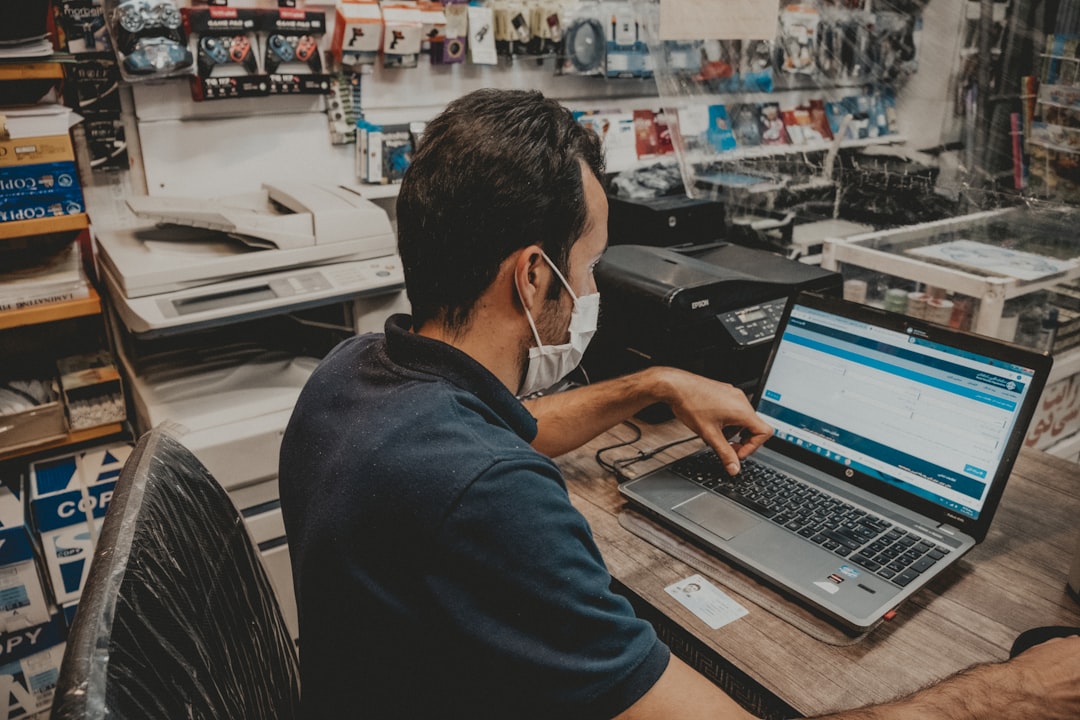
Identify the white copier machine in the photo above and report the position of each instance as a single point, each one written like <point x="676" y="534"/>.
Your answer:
<point x="186" y="289"/>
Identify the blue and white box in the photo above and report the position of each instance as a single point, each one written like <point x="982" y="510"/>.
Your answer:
<point x="30" y="661"/>
<point x="69" y="496"/>
<point x="22" y="599"/>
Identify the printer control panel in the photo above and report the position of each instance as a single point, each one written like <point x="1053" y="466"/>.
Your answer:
<point x="755" y="324"/>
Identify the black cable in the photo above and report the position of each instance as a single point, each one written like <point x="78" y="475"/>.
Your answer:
<point x="616" y="468"/>
<point x="610" y="467"/>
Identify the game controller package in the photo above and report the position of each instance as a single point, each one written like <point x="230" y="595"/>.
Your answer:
<point x="292" y="59"/>
<point x="245" y="52"/>
<point x="148" y="38"/>
<point x="226" y="46"/>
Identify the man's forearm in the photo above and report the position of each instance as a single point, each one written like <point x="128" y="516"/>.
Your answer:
<point x="568" y="420"/>
<point x="987" y="692"/>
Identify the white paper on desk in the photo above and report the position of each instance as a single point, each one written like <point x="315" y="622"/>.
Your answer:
<point x="995" y="260"/>
<point x="706" y="601"/>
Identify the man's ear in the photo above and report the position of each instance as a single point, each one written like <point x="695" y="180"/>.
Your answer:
<point x="530" y="277"/>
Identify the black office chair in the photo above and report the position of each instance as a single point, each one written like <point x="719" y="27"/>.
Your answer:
<point x="178" y="618"/>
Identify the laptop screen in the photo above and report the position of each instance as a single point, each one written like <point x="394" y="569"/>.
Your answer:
<point x="896" y="405"/>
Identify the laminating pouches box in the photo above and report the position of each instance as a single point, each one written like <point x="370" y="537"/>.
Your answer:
<point x="29" y="667"/>
<point x="69" y="496"/>
<point x="22" y="600"/>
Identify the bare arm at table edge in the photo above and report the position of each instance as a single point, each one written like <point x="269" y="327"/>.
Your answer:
<point x="1042" y="683"/>
<point x="568" y="420"/>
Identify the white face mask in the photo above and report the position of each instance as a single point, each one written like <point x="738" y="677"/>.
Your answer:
<point x="548" y="364"/>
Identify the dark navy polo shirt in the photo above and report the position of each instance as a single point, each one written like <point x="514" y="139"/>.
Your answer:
<point x="440" y="568"/>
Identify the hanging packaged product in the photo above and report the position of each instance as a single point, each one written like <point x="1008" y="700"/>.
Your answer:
<point x="149" y="39"/>
<point x="627" y="53"/>
<point x="844" y="44"/>
<point x="455" y="34"/>
<point x="717" y="67"/>
<point x="226" y="44"/>
<point x="383" y="152"/>
<point x="798" y="39"/>
<point x="584" y="50"/>
<point x="895" y="46"/>
<point x="756" y="68"/>
<point x="292" y="55"/>
<point x="243" y="52"/>
<point x="547" y="27"/>
<point x="433" y="32"/>
<point x="81" y="27"/>
<point x="403" y="35"/>
<point x="358" y="28"/>
<point x="482" y="35"/>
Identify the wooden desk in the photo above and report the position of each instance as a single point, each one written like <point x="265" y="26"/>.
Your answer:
<point x="969" y="614"/>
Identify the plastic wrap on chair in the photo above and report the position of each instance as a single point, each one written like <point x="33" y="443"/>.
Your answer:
<point x="178" y="618"/>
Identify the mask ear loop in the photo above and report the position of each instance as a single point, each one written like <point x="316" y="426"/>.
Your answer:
<point x="528" y="315"/>
<point x="573" y="295"/>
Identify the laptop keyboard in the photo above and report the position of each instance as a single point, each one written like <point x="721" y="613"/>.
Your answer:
<point x="865" y="539"/>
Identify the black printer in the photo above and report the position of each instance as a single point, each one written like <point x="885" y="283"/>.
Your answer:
<point x="711" y="309"/>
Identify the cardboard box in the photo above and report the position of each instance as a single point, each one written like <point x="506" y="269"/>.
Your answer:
<point x="40" y="424"/>
<point x="38" y="179"/>
<point x="93" y="393"/>
<point x="22" y="599"/>
<point x="29" y="667"/>
<point x="14" y="208"/>
<point x="69" y="496"/>
<point x="358" y="31"/>
<point x="47" y="178"/>
<point x="22" y="152"/>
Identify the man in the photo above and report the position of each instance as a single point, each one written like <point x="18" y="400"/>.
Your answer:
<point x="440" y="568"/>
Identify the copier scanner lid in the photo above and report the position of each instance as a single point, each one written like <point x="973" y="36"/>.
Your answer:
<point x="197" y="245"/>
<point x="281" y="216"/>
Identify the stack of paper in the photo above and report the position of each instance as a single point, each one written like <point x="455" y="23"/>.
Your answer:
<point x="55" y="278"/>
<point x="37" y="120"/>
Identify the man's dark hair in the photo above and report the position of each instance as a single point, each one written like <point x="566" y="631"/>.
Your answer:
<point x="496" y="171"/>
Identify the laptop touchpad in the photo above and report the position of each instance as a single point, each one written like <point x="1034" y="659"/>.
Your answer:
<point x="718" y="516"/>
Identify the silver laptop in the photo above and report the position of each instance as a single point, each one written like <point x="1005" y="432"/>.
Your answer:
<point x="894" y="438"/>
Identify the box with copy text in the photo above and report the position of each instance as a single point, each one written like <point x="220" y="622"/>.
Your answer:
<point x="29" y="668"/>
<point x="22" y="599"/>
<point x="69" y="495"/>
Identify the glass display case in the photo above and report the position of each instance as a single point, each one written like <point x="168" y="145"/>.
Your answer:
<point x="1011" y="273"/>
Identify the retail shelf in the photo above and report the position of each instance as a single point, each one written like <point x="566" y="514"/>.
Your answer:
<point x="760" y="151"/>
<point x="39" y="70"/>
<point x="73" y="437"/>
<point x="51" y="312"/>
<point x="1057" y="147"/>
<point x="376" y="192"/>
<point x="43" y="226"/>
